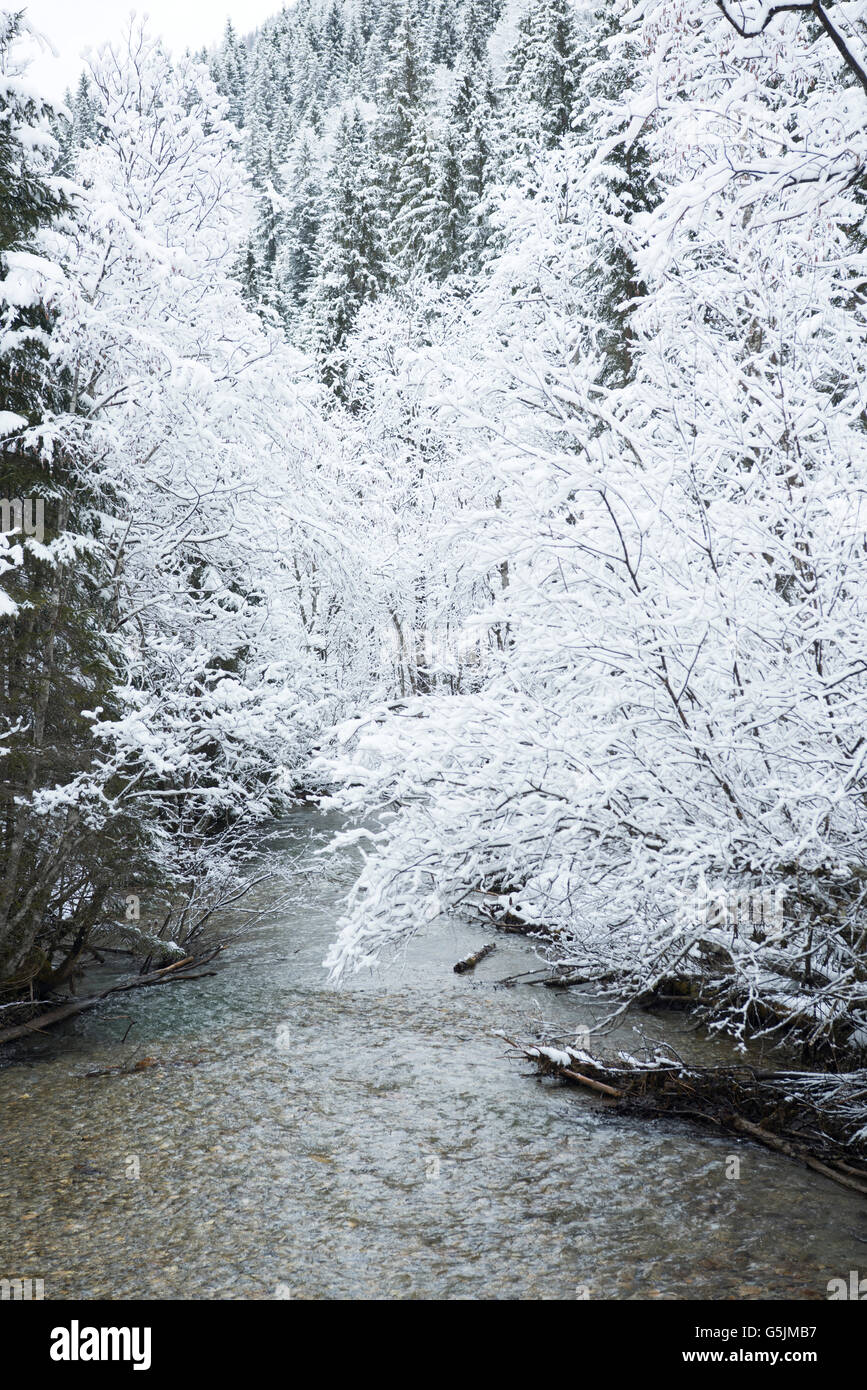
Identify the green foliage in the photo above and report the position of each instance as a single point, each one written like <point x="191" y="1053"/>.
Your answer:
<point x="352" y="264"/>
<point x="541" y="74"/>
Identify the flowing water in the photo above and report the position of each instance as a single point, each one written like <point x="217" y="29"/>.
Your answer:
<point x="375" y="1141"/>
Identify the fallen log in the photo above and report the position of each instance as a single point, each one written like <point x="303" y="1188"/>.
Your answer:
<point x="594" y="1085"/>
<point x="838" y="1172"/>
<point x="814" y="1118"/>
<point x="178" y="970"/>
<point x="509" y="981"/>
<point x="470" y="962"/>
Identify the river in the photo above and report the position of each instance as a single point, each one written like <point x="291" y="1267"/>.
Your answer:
<point x="294" y="1140"/>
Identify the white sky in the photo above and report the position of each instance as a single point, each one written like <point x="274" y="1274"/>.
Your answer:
<point x="75" y="25"/>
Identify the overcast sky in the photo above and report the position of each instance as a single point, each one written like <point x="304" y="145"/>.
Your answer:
<point x="74" y="25"/>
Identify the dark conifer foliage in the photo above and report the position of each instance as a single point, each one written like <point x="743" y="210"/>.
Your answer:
<point x="56" y="659"/>
<point x="418" y="75"/>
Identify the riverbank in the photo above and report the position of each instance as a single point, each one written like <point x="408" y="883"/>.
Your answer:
<point x="375" y="1141"/>
<point x="818" y="1119"/>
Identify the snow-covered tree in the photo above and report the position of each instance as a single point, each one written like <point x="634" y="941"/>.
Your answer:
<point x="56" y="658"/>
<point x="406" y="151"/>
<point x="301" y="222"/>
<point x="541" y="74"/>
<point x="161" y="623"/>
<point x="352" y="266"/>
<point x="677" y="713"/>
<point x="561" y="560"/>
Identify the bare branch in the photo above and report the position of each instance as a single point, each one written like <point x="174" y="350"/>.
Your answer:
<point x="814" y="7"/>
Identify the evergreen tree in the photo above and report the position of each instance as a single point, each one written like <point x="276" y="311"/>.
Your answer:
<point x="474" y="32"/>
<point x="418" y="224"/>
<point x="352" y="57"/>
<point x="351" y="254"/>
<point x="307" y="74"/>
<point x="389" y="17"/>
<point x="374" y="61"/>
<point x="29" y="201"/>
<point x="229" y="71"/>
<point x="366" y="18"/>
<point x="541" y="74"/>
<point x="80" y="128"/>
<point x="312" y="117"/>
<point x="623" y="187"/>
<point x="471" y="122"/>
<point x="260" y="260"/>
<point x="442" y="33"/>
<point x="406" y="83"/>
<point x="405" y="147"/>
<point x="259" y="115"/>
<point x="448" y="244"/>
<point x="55" y="662"/>
<point x="84" y="109"/>
<point x="334" y="36"/>
<point x="297" y="257"/>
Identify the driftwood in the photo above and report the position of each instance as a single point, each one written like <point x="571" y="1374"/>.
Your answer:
<point x="509" y="981"/>
<point x="470" y="962"/>
<point x="839" y="1173"/>
<point x="589" y="1081"/>
<point x="555" y="981"/>
<point x="178" y="970"/>
<point x="815" y="1118"/>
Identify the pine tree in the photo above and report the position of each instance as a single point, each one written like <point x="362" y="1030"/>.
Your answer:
<point x="406" y="83"/>
<point x="418" y="225"/>
<point x="471" y="128"/>
<point x="351" y="254"/>
<point x="541" y="74"/>
<point x="84" y="127"/>
<point x="312" y="116"/>
<point x="442" y="33"/>
<point x="298" y="254"/>
<point x="623" y="188"/>
<point x="448" y="244"/>
<point x="334" y="36"/>
<point x="260" y="259"/>
<point x="259" y="114"/>
<point x="366" y="12"/>
<point x="29" y="201"/>
<point x="387" y="23"/>
<point x="55" y="661"/>
<point x="405" y="147"/>
<point x="229" y="71"/>
<point x="307" y="75"/>
<point x="374" y="62"/>
<point x="77" y="130"/>
<point x="474" y="32"/>
<point x="352" y="57"/>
